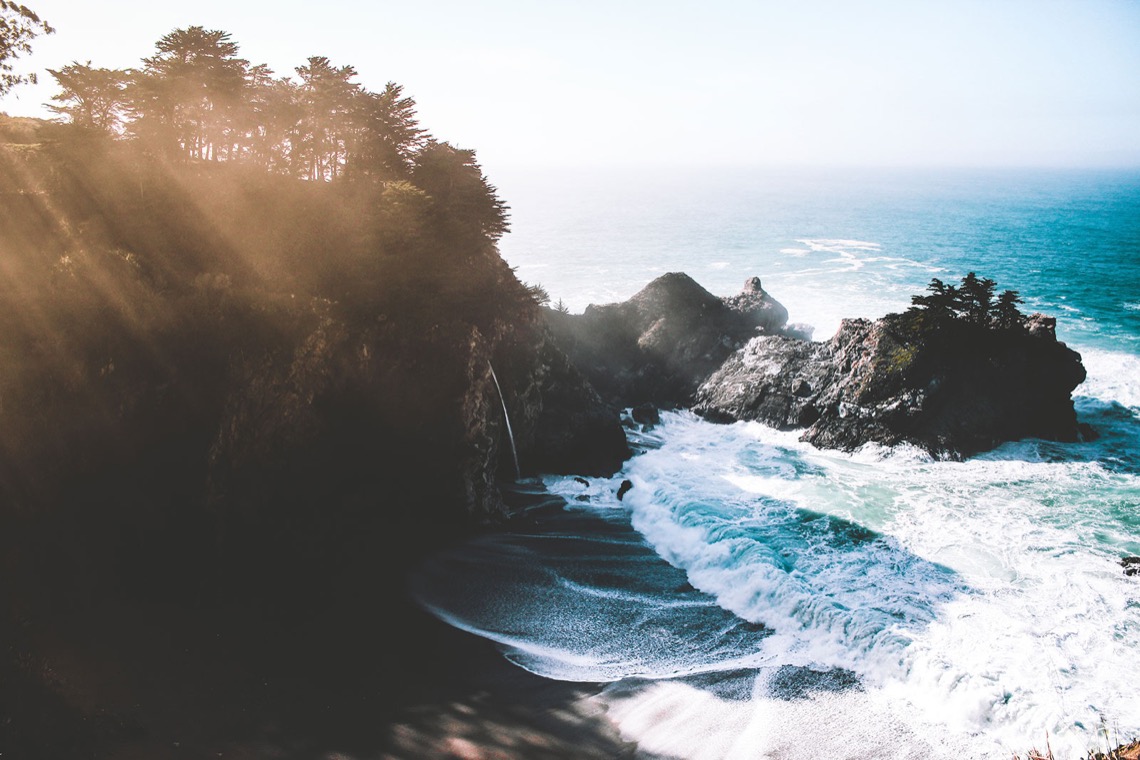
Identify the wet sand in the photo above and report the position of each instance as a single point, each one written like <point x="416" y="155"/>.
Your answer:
<point x="119" y="680"/>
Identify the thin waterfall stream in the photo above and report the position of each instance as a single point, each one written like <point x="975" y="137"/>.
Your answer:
<point x="507" y="420"/>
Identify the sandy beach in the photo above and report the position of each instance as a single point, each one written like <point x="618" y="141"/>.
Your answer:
<point x="355" y="679"/>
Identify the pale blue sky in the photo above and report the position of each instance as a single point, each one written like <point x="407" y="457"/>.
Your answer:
<point x="975" y="83"/>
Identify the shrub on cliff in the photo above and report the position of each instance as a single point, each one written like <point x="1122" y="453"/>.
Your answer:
<point x="972" y="302"/>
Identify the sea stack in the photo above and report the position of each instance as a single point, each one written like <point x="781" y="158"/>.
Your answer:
<point x="661" y="344"/>
<point x="953" y="389"/>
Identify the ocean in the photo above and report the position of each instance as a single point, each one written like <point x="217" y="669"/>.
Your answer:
<point x="755" y="597"/>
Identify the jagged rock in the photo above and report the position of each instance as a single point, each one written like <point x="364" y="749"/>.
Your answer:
<point x="383" y="429"/>
<point x="659" y="346"/>
<point x="625" y="487"/>
<point x="563" y="426"/>
<point x="771" y="379"/>
<point x="758" y="308"/>
<point x="954" y="389"/>
<point x="646" y="415"/>
<point x="1131" y="565"/>
<point x="1040" y="326"/>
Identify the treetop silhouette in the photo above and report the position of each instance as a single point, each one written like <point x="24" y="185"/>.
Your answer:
<point x="197" y="99"/>
<point x="971" y="302"/>
<point x="19" y="25"/>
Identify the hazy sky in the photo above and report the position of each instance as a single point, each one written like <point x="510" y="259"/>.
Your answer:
<point x="959" y="82"/>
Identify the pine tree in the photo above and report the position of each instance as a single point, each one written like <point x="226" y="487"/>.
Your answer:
<point x="1006" y="315"/>
<point x="188" y="92"/>
<point x="942" y="301"/>
<point x="976" y="299"/>
<point x="459" y="191"/>
<point x="90" y="98"/>
<point x="972" y="303"/>
<point x="388" y="134"/>
<point x="327" y="97"/>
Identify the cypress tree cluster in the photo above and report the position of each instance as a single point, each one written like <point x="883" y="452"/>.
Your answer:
<point x="972" y="303"/>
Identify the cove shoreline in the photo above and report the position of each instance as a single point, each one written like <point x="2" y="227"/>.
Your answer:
<point x="116" y="679"/>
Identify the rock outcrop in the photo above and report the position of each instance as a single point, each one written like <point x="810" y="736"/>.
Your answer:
<point x="238" y="378"/>
<point x="661" y="344"/>
<point x="563" y="426"/>
<point x="953" y="389"/>
<point x="409" y="426"/>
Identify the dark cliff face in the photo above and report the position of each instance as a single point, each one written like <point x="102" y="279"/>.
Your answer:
<point x="659" y="346"/>
<point x="953" y="389"/>
<point x="233" y="410"/>
<point x="393" y="436"/>
<point x="560" y="423"/>
<point x="234" y="407"/>
<point x="211" y="374"/>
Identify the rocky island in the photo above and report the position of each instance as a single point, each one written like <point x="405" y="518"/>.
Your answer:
<point x="661" y="344"/>
<point x="958" y="373"/>
<point x="953" y="393"/>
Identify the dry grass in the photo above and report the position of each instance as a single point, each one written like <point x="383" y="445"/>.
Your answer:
<point x="1130" y="751"/>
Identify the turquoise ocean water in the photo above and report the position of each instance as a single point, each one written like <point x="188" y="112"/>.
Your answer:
<point x="756" y="597"/>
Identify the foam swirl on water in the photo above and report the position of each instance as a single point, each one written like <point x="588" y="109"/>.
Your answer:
<point x="985" y="595"/>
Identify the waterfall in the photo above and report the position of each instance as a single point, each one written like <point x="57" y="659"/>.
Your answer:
<point x="506" y="419"/>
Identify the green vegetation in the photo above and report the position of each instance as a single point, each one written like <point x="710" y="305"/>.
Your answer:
<point x="900" y="358"/>
<point x="19" y="25"/>
<point x="948" y="325"/>
<point x="972" y="303"/>
<point x="197" y="99"/>
<point x="240" y="314"/>
<point x="953" y="321"/>
<point x="186" y="220"/>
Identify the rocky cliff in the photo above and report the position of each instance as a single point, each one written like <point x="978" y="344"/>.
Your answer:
<point x="659" y="346"/>
<point x="234" y="408"/>
<point x="952" y="383"/>
<point x="211" y="371"/>
<point x="401" y="430"/>
<point x="953" y="389"/>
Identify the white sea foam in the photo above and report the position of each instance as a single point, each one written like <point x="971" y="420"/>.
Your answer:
<point x="979" y="603"/>
<point x="678" y="720"/>
<point x="1112" y="376"/>
<point x="833" y="245"/>
<point x="985" y="607"/>
<point x="989" y="604"/>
